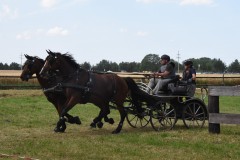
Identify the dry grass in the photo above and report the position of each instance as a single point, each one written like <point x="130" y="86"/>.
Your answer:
<point x="218" y="75"/>
<point x="10" y="72"/>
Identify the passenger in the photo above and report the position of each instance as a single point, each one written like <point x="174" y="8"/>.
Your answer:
<point x="163" y="76"/>
<point x="189" y="77"/>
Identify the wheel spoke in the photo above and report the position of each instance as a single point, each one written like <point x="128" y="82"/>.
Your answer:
<point x="199" y="114"/>
<point x="132" y="118"/>
<point x="136" y="122"/>
<point x="197" y="123"/>
<point x="197" y="110"/>
<point x="141" y="122"/>
<point x="194" y="115"/>
<point x="190" y="110"/>
<point x="170" y="112"/>
<point x="189" y="114"/>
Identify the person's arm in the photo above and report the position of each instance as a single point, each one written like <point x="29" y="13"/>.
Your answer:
<point x="193" y="76"/>
<point x="163" y="74"/>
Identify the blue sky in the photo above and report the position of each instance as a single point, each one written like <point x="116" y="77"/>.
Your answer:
<point x="120" y="30"/>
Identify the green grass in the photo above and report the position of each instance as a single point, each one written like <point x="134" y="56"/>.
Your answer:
<point x="27" y="121"/>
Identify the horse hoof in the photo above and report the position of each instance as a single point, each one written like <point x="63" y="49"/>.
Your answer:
<point x="63" y="128"/>
<point x="115" y="132"/>
<point x="93" y="125"/>
<point x="100" y="124"/>
<point x="111" y="121"/>
<point x="59" y="130"/>
<point x="77" y="120"/>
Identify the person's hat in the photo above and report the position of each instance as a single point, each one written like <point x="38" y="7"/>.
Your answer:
<point x="165" y="57"/>
<point x="188" y="62"/>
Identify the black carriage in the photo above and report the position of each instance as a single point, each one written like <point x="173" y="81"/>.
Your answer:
<point x="168" y="109"/>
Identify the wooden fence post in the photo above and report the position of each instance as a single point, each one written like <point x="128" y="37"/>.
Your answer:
<point x="213" y="107"/>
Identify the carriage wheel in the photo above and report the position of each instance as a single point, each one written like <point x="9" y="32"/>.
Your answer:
<point x="136" y="119"/>
<point x="163" y="116"/>
<point x="194" y="115"/>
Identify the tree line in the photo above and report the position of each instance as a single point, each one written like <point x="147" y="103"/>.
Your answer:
<point x="151" y="63"/>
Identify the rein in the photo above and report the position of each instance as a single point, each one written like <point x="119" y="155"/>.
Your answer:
<point x="84" y="89"/>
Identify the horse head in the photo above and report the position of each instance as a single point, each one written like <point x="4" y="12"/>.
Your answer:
<point x="63" y="63"/>
<point x="50" y="64"/>
<point x="31" y="66"/>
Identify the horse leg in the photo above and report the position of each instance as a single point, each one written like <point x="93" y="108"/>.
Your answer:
<point x="69" y="118"/>
<point x="106" y="119"/>
<point x="109" y="120"/>
<point x="73" y="120"/>
<point x="123" y="115"/>
<point x="98" y="120"/>
<point x="61" y="125"/>
<point x="102" y="114"/>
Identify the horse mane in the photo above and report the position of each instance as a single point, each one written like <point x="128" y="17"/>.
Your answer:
<point x="68" y="57"/>
<point x="40" y="59"/>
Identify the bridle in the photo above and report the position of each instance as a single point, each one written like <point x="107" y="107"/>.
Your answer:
<point x="29" y="64"/>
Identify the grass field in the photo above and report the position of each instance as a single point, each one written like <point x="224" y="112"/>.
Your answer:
<point x="27" y="121"/>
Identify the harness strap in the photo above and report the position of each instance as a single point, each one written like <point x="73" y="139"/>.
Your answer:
<point x="59" y="87"/>
<point x="70" y="85"/>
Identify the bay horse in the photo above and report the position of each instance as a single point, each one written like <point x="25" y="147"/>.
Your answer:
<point x="33" y="65"/>
<point x="81" y="86"/>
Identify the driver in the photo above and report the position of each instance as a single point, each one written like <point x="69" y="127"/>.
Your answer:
<point x="163" y="76"/>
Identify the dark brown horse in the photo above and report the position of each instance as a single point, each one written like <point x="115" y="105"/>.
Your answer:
<point x="81" y="86"/>
<point x="33" y="65"/>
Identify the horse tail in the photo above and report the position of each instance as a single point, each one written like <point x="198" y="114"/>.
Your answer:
<point x="139" y="95"/>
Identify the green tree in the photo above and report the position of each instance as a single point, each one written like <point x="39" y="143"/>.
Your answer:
<point x="234" y="67"/>
<point x="218" y="66"/>
<point x="114" y="67"/>
<point x="14" y="66"/>
<point x="102" y="66"/>
<point x="129" y="66"/>
<point x="86" y="65"/>
<point x="150" y="63"/>
<point x="105" y="66"/>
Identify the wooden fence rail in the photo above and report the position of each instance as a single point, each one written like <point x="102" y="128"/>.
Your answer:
<point x="216" y="118"/>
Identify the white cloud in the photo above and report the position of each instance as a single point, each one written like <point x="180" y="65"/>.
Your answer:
<point x="142" y="34"/>
<point x="154" y="1"/>
<point x="196" y="2"/>
<point x="26" y="35"/>
<point x="180" y="2"/>
<point x="7" y="12"/>
<point x="48" y="3"/>
<point x="30" y="34"/>
<point x="57" y="31"/>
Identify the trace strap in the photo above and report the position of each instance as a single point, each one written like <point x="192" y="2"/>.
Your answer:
<point x="59" y="88"/>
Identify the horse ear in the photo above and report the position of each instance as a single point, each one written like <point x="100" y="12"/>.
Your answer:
<point x="28" y="57"/>
<point x="50" y="53"/>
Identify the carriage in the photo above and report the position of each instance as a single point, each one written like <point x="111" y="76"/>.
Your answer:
<point x="168" y="109"/>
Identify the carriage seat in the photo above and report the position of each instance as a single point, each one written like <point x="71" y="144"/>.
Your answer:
<point x="176" y="87"/>
<point x="166" y="89"/>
